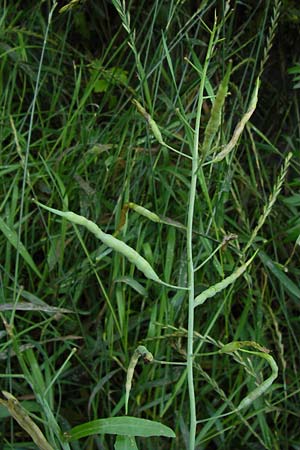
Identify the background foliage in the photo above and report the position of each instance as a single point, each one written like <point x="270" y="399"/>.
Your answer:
<point x="89" y="150"/>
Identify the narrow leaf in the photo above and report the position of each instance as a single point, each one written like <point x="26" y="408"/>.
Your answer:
<point x="287" y="284"/>
<point x="12" y="237"/>
<point x="122" y="426"/>
<point x="133" y="284"/>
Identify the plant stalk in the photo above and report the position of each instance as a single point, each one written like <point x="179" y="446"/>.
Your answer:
<point x="189" y="234"/>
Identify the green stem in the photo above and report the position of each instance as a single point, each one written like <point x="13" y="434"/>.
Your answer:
<point x="190" y="265"/>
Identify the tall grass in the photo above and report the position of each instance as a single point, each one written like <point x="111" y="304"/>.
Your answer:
<point x="153" y="114"/>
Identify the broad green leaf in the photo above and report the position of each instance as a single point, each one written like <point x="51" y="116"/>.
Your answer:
<point x="101" y="86"/>
<point x="12" y="237"/>
<point x="122" y="426"/>
<point x="125" y="443"/>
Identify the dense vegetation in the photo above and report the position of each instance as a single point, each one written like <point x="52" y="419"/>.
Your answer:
<point x="189" y="110"/>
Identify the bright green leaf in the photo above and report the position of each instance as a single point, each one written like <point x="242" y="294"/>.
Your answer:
<point x="122" y="426"/>
<point x="133" y="284"/>
<point x="101" y="86"/>
<point x="12" y="237"/>
<point x="125" y="443"/>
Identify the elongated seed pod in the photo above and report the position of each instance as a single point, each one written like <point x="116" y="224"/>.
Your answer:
<point x="119" y="246"/>
<point x="150" y="120"/>
<point x="218" y="287"/>
<point x="237" y="345"/>
<point x="144" y="212"/>
<point x="263" y="353"/>
<point x="140" y="351"/>
<point x="240" y="126"/>
<point x="216" y="113"/>
<point x="23" y="419"/>
<point x="263" y="387"/>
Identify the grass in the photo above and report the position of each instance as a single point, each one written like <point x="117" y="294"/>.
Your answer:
<point x="74" y="311"/>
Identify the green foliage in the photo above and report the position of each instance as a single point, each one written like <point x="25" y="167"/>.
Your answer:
<point x="151" y="126"/>
<point x="121" y="426"/>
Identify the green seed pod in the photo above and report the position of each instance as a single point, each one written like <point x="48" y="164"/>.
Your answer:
<point x="218" y="287"/>
<point x="240" y="126"/>
<point x="119" y="246"/>
<point x="263" y="387"/>
<point x="140" y="351"/>
<point x="144" y="212"/>
<point x="21" y="416"/>
<point x="216" y="113"/>
<point x="151" y="122"/>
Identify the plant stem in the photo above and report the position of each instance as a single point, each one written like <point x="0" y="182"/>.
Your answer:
<point x="190" y="264"/>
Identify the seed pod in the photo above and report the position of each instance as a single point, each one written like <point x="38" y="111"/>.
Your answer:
<point x="263" y="387"/>
<point x="21" y="416"/>
<point x="140" y="351"/>
<point x="144" y="212"/>
<point x="151" y="122"/>
<point x="216" y="113"/>
<point x="119" y="246"/>
<point x="263" y="353"/>
<point x="240" y="126"/>
<point x="218" y="287"/>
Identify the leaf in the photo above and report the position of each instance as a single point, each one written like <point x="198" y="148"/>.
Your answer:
<point x="133" y="284"/>
<point x="12" y="237"/>
<point x="125" y="443"/>
<point x="285" y="281"/>
<point x="293" y="200"/>
<point x="25" y="306"/>
<point x="101" y="86"/>
<point x="122" y="426"/>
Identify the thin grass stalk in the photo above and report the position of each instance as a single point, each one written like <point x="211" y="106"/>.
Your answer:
<point x="190" y="264"/>
<point x="25" y="161"/>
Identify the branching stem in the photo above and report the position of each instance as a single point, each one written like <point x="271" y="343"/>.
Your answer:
<point x="192" y="196"/>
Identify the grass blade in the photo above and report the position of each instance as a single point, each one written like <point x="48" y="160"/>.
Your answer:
<point x="13" y="238"/>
